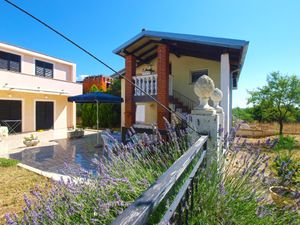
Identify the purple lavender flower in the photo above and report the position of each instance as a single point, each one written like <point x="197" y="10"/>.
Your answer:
<point x="9" y="220"/>
<point x="27" y="201"/>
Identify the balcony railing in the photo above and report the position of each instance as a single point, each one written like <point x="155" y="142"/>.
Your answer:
<point x="15" y="81"/>
<point x="148" y="83"/>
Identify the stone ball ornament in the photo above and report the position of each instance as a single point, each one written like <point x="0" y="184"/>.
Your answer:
<point x="216" y="97"/>
<point x="204" y="88"/>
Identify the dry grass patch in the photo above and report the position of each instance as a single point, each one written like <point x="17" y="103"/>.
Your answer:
<point x="14" y="182"/>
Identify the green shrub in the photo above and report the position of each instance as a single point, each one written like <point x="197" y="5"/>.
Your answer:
<point x="286" y="142"/>
<point x="286" y="168"/>
<point x="238" y="195"/>
<point x="8" y="162"/>
<point x="109" y="114"/>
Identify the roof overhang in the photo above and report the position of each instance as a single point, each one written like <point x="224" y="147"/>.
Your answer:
<point x="144" y="47"/>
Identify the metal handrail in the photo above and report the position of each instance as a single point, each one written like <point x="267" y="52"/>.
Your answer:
<point x="139" y="211"/>
<point x="184" y="99"/>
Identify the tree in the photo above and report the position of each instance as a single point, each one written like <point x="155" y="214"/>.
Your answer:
<point x="279" y="99"/>
<point x="88" y="111"/>
<point x="109" y="114"/>
<point x="243" y="114"/>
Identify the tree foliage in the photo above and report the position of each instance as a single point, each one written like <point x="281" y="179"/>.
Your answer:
<point x="279" y="99"/>
<point x="109" y="114"/>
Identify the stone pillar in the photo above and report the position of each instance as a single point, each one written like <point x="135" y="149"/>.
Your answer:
<point x="225" y="88"/>
<point x="162" y="84"/>
<point x="205" y="118"/>
<point x="130" y="70"/>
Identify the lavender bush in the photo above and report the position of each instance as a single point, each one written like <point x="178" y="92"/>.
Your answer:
<point x="234" y="190"/>
<point x="120" y="177"/>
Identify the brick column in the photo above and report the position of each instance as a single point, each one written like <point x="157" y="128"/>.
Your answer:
<point x="130" y="67"/>
<point x="162" y="84"/>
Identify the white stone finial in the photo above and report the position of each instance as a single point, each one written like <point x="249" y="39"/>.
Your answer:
<point x="204" y="88"/>
<point x="216" y="97"/>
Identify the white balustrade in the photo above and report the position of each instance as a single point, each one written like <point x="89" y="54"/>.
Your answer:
<point x="148" y="83"/>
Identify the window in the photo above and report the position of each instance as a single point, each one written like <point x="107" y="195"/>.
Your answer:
<point x="43" y="69"/>
<point x="108" y="84"/>
<point x="10" y="61"/>
<point x="197" y="74"/>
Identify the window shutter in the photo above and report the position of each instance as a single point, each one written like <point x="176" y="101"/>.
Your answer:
<point x="43" y="69"/>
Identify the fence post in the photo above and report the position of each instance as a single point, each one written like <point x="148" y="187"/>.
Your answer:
<point x="206" y="119"/>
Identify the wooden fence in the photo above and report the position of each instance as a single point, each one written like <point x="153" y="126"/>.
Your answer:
<point x="259" y="130"/>
<point x="181" y="208"/>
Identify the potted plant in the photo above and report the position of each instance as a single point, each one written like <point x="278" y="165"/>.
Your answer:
<point x="31" y="141"/>
<point x="283" y="196"/>
<point x="287" y="170"/>
<point x="148" y="71"/>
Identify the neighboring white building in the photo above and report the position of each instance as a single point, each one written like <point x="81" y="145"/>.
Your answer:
<point x="34" y="88"/>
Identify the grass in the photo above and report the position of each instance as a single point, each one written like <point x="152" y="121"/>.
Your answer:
<point x="8" y="162"/>
<point x="15" y="181"/>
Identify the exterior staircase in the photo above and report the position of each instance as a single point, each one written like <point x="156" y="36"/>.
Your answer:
<point x="181" y="104"/>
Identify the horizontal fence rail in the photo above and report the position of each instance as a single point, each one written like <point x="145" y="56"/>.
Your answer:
<point x="139" y="211"/>
<point x="178" y="212"/>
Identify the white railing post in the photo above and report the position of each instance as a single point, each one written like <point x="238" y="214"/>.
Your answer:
<point x="151" y="85"/>
<point x="137" y="84"/>
<point x="204" y="118"/>
<point x="147" y="85"/>
<point x="155" y="84"/>
<point x="135" y="88"/>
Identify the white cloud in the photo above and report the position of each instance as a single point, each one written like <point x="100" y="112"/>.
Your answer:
<point x="81" y="77"/>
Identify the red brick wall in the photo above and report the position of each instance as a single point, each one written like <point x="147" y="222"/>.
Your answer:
<point x="162" y="84"/>
<point x="130" y="67"/>
<point x="99" y="81"/>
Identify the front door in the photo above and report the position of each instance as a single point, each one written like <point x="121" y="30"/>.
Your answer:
<point x="11" y="115"/>
<point x="44" y="115"/>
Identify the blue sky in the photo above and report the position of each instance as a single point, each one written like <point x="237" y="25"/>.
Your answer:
<point x="271" y="26"/>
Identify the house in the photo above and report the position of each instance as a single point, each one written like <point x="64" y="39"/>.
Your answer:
<point x="166" y="65"/>
<point x="34" y="88"/>
<point x="100" y="81"/>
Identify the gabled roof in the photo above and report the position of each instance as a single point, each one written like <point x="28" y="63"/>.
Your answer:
<point x="144" y="45"/>
<point x="205" y="40"/>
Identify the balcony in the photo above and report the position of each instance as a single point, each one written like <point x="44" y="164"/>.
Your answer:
<point x="15" y="81"/>
<point x="148" y="83"/>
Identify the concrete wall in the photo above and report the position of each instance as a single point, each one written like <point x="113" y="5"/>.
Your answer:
<point x="64" y="112"/>
<point x="35" y="83"/>
<point x="62" y="70"/>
